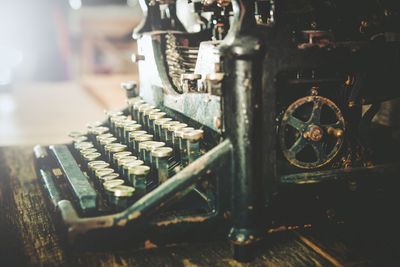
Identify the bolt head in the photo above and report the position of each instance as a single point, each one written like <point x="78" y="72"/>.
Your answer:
<point x="136" y="58"/>
<point x="128" y="85"/>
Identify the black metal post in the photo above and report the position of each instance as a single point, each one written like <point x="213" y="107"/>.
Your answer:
<point x="241" y="91"/>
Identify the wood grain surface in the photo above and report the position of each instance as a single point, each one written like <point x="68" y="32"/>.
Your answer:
<point x="28" y="237"/>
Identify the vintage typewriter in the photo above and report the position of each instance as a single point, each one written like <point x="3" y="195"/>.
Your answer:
<point x="251" y="117"/>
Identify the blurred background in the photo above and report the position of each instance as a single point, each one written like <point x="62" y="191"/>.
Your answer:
<point x="61" y="64"/>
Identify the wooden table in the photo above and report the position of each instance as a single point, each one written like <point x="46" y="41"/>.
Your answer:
<point x="27" y="236"/>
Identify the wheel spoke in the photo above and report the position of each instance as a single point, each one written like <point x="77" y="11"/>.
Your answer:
<point x="295" y="123"/>
<point x="319" y="151"/>
<point x="316" y="112"/>
<point x="298" y="146"/>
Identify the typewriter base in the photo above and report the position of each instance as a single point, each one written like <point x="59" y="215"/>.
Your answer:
<point x="29" y="237"/>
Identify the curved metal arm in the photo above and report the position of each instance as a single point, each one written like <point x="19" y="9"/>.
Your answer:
<point x="243" y="18"/>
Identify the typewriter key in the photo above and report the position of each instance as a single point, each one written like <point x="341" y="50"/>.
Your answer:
<point x="113" y="113"/>
<point x="107" y="185"/>
<point x="139" y="139"/>
<point x="158" y="126"/>
<point x="138" y="177"/>
<point x="83" y="152"/>
<point x="119" y="128"/>
<point x="108" y="177"/>
<point x="118" y="155"/>
<point x="83" y="145"/>
<point x="88" y="157"/>
<point x="180" y="145"/>
<point x="96" y="162"/>
<point x="129" y="121"/>
<point x="116" y="149"/>
<point x="142" y="112"/>
<point x="116" y="124"/>
<point x="152" y="118"/>
<point x="145" y="149"/>
<point x="94" y="124"/>
<point x="121" y="196"/>
<point x="118" y="117"/>
<point x="93" y="166"/>
<point x="80" y="139"/>
<point x="130" y="128"/>
<point x="114" y="119"/>
<point x="164" y="130"/>
<point x="91" y="156"/>
<point x="121" y="161"/>
<point x="160" y="159"/>
<point x="132" y="136"/>
<point x="124" y="159"/>
<point x="101" y="137"/>
<point x="146" y="117"/>
<point x="130" y="164"/>
<point x="141" y="149"/>
<point x="150" y="147"/>
<point x="102" y="172"/>
<point x="99" y="130"/>
<point x="106" y="141"/>
<point x="124" y="125"/>
<point x="193" y="144"/>
<point x="149" y="111"/>
<point x="113" y="148"/>
<point x="131" y="102"/>
<point x="75" y="134"/>
<point x="94" y="132"/>
<point x="135" y="109"/>
<point x="171" y="132"/>
<point x="112" y="183"/>
<point x="88" y="151"/>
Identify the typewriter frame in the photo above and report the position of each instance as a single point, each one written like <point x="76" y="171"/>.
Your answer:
<point x="249" y="112"/>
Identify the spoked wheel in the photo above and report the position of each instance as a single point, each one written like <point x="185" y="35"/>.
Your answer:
<point x="311" y="132"/>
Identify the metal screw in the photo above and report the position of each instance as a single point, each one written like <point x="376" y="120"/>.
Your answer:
<point x="137" y="57"/>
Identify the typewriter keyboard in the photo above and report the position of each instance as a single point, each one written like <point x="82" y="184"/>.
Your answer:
<point x="115" y="163"/>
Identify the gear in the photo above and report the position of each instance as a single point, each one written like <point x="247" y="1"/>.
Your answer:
<point x="311" y="132"/>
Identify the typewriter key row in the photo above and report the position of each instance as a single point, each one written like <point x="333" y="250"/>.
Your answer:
<point x="131" y="155"/>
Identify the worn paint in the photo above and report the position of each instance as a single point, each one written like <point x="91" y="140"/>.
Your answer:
<point x="188" y="219"/>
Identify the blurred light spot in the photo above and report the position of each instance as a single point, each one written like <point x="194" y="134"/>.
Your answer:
<point x="75" y="4"/>
<point x="9" y="58"/>
<point x="5" y="76"/>
<point x="132" y="3"/>
<point x="7" y="104"/>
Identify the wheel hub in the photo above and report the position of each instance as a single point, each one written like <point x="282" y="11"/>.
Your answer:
<point x="314" y="133"/>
